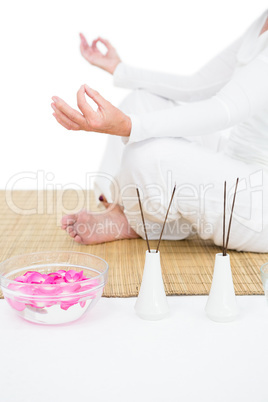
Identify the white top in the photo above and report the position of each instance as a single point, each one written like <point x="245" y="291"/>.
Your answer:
<point x="231" y="91"/>
<point x="111" y="355"/>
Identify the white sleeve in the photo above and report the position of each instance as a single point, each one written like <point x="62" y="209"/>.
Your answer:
<point x="244" y="95"/>
<point x="201" y="85"/>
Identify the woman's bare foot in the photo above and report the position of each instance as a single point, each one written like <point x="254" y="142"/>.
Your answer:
<point x="93" y="228"/>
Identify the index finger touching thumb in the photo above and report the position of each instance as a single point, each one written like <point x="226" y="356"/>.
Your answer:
<point x="95" y="96"/>
<point x="82" y="103"/>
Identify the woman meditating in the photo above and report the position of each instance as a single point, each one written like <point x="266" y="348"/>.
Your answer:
<point x="196" y="131"/>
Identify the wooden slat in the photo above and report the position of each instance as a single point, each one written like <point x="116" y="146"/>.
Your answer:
<point x="187" y="265"/>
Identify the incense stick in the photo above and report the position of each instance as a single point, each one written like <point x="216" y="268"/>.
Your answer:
<point x="165" y="219"/>
<point x="230" y="221"/>
<point x="224" y="208"/>
<point x="142" y="217"/>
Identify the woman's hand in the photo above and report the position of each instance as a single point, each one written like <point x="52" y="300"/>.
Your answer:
<point x="107" y="119"/>
<point x="93" y="55"/>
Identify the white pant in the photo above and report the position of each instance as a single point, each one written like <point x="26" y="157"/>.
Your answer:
<point x="199" y="169"/>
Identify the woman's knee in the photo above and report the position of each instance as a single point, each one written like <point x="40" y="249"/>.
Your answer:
<point x="141" y="101"/>
<point x="243" y="236"/>
<point x="140" y="160"/>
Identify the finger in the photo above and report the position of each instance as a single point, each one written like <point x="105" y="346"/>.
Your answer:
<point x="107" y="205"/>
<point x="71" y="113"/>
<point x="95" y="96"/>
<point x="102" y="198"/>
<point x="65" y="119"/>
<point x="83" y="39"/>
<point x="86" y="52"/>
<point x="65" y="122"/>
<point x="85" y="108"/>
<point x="84" y="44"/>
<point x="94" y="44"/>
<point x="60" y="121"/>
<point x="105" y="42"/>
<point x="104" y="201"/>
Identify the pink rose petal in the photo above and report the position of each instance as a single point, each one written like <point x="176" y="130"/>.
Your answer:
<point x="21" y="279"/>
<point x="69" y="276"/>
<point x="57" y="278"/>
<point x="67" y="303"/>
<point x="61" y="272"/>
<point x="49" y="290"/>
<point x="68" y="282"/>
<point x="49" y="279"/>
<point x="35" y="277"/>
<point x="71" y="288"/>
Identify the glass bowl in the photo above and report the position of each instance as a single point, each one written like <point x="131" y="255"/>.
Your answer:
<point x="53" y="303"/>
<point x="264" y="278"/>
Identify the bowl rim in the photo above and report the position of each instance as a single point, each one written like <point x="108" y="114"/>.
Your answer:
<point x="261" y="269"/>
<point x="10" y="281"/>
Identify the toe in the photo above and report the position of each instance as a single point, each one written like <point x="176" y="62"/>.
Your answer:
<point x="104" y="201"/>
<point x="70" y="230"/>
<point x="68" y="220"/>
<point x="77" y="238"/>
<point x="102" y="198"/>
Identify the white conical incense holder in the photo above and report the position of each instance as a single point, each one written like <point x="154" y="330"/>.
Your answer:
<point x="152" y="303"/>
<point x="221" y="304"/>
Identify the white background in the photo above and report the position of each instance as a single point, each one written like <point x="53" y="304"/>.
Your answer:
<point x="111" y="355"/>
<point x="40" y="58"/>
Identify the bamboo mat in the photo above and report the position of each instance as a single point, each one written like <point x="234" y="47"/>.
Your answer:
<point x="30" y="222"/>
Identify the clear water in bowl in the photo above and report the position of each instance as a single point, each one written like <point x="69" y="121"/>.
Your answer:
<point x="55" y="315"/>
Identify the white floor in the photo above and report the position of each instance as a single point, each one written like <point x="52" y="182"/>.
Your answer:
<point x="112" y="355"/>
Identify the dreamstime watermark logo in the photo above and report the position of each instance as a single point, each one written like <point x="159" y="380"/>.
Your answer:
<point x="196" y="208"/>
